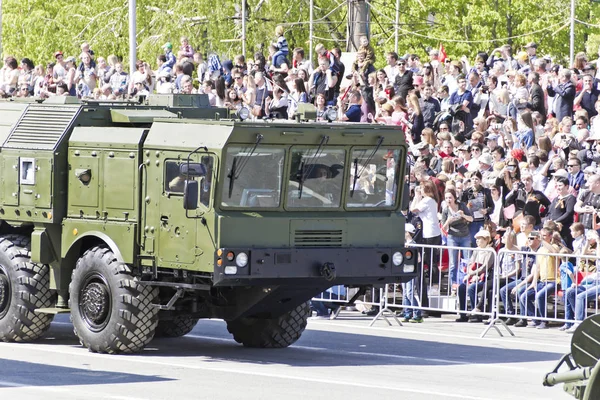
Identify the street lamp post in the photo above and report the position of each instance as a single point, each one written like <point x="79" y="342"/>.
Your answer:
<point x="132" y="36"/>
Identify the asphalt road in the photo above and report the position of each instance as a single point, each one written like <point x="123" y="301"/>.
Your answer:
<point x="341" y="359"/>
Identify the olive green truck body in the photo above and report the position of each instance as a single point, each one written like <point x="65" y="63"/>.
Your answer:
<point x="244" y="221"/>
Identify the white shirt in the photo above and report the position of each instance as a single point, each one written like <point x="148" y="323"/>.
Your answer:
<point x="428" y="213"/>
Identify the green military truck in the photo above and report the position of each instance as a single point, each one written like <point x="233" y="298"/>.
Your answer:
<point x="141" y="219"/>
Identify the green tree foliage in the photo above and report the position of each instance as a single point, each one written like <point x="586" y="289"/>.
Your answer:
<point x="37" y="28"/>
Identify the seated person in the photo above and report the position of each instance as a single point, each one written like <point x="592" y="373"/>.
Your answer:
<point x="478" y="273"/>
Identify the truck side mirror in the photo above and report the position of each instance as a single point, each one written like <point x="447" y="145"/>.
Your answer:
<point x="192" y="169"/>
<point x="190" y="195"/>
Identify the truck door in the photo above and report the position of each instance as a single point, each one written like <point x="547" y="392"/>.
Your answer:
<point x="177" y="233"/>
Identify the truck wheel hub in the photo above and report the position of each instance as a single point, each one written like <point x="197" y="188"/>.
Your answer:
<point x="4" y="294"/>
<point x="95" y="305"/>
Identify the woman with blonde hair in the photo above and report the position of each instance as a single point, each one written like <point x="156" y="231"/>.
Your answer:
<point x="417" y="123"/>
<point x="249" y="95"/>
<point x="428" y="136"/>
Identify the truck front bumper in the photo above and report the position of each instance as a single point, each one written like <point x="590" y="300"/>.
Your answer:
<point x="308" y="266"/>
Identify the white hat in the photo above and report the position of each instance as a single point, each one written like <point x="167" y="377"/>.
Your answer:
<point x="562" y="173"/>
<point x="486" y="159"/>
<point x="483" y="233"/>
<point x="410" y="228"/>
<point x="590" y="170"/>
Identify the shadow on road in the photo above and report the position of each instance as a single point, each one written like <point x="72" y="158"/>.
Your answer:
<point x="34" y="374"/>
<point x="211" y="341"/>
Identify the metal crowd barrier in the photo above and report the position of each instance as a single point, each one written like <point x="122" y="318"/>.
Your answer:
<point x="363" y="298"/>
<point x="574" y="275"/>
<point x="436" y="290"/>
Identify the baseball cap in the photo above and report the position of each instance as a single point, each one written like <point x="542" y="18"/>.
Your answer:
<point x="410" y="228"/>
<point x="486" y="159"/>
<point x="421" y="146"/>
<point x="70" y="59"/>
<point x="531" y="45"/>
<point x="590" y="170"/>
<point x="492" y="136"/>
<point x="561" y="173"/>
<point x="168" y="45"/>
<point x="483" y="233"/>
<point x="58" y="53"/>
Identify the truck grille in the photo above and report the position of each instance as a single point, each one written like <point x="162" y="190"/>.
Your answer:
<point x="318" y="238"/>
<point x="41" y="127"/>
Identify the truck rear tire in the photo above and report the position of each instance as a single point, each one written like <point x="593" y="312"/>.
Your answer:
<point x="24" y="287"/>
<point x="110" y="310"/>
<point x="179" y="326"/>
<point x="272" y="333"/>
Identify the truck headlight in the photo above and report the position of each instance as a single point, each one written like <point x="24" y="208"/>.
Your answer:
<point x="230" y="270"/>
<point x="397" y="258"/>
<point x="408" y="269"/>
<point x="241" y="259"/>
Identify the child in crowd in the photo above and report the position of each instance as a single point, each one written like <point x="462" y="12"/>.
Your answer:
<point x="185" y="49"/>
<point x="369" y="56"/>
<point x="281" y="43"/>
<point x="408" y="288"/>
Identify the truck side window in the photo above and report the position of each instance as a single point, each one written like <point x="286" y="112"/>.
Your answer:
<point x="174" y="181"/>
<point x="206" y="181"/>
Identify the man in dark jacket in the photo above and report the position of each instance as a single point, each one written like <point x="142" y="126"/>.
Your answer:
<point x="563" y="91"/>
<point x="588" y="96"/>
<point x="404" y="80"/>
<point x="536" y="95"/>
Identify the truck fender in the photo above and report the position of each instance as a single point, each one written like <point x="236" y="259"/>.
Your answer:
<point x="96" y="237"/>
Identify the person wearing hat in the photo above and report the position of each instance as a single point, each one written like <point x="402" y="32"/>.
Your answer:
<point x="478" y="276"/>
<point x="587" y="97"/>
<point x="543" y="276"/>
<point x="70" y="67"/>
<point x="491" y="141"/>
<point x="171" y="60"/>
<point x="408" y="288"/>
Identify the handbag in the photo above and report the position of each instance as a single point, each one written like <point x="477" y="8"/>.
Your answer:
<point x="509" y="211"/>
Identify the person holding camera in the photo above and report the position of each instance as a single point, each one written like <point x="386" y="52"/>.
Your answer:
<point x="528" y="200"/>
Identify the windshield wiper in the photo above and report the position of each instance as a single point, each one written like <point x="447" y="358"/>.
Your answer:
<point x="364" y="166"/>
<point x="237" y="171"/>
<point x="300" y="179"/>
<point x="306" y="169"/>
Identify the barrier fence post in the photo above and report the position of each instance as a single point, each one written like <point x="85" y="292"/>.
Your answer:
<point x="495" y="319"/>
<point x="384" y="311"/>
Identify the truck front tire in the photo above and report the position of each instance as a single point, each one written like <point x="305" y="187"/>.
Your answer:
<point x="273" y="333"/>
<point x="179" y="326"/>
<point x="24" y="287"/>
<point x="110" y="310"/>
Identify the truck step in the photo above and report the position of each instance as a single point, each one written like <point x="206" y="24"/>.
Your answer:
<point x="52" y="310"/>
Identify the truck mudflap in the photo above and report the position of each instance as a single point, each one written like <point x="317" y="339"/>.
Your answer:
<point x="334" y="266"/>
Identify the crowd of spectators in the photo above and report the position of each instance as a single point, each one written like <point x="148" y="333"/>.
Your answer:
<point x="504" y="148"/>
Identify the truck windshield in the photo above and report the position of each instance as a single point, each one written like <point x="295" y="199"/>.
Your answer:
<point x="373" y="180"/>
<point x="316" y="178"/>
<point x="258" y="183"/>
